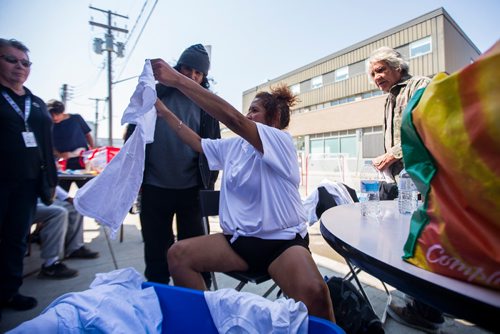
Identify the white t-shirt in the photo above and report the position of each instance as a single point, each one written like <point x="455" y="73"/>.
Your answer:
<point x="259" y="192"/>
<point x="247" y="313"/>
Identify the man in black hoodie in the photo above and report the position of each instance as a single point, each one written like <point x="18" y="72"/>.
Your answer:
<point x="174" y="173"/>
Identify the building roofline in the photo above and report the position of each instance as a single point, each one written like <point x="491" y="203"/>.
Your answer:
<point x="455" y="24"/>
<point x="415" y="21"/>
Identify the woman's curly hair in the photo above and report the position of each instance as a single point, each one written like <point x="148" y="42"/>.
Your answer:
<point x="278" y="101"/>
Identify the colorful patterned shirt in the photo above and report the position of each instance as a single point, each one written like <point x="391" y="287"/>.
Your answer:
<point x="395" y="104"/>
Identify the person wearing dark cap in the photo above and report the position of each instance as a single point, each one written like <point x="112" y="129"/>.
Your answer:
<point x="174" y="173"/>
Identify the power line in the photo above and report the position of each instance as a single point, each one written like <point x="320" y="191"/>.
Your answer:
<point x="137" y="39"/>
<point x="126" y="79"/>
<point x="136" y="22"/>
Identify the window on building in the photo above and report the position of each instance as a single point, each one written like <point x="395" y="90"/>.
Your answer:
<point x="332" y="145"/>
<point x="348" y="145"/>
<point x="335" y="142"/>
<point x="421" y="47"/>
<point x="316" y="146"/>
<point x="299" y="143"/>
<point x="372" y="142"/>
<point x="295" y="89"/>
<point x="367" y="95"/>
<point x="342" y="73"/>
<point x="329" y="78"/>
<point x="305" y="86"/>
<point x="372" y="93"/>
<point x="404" y="50"/>
<point x="357" y="68"/>
<point x="317" y="82"/>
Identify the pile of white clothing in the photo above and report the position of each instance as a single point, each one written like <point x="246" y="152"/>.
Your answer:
<point x="248" y="313"/>
<point x="115" y="303"/>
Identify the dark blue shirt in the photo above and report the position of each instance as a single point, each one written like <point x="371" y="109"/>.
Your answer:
<point x="69" y="134"/>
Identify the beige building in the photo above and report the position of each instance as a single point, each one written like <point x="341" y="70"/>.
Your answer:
<point x="341" y="112"/>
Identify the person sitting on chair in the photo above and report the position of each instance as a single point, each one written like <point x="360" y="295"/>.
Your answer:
<point x="61" y="235"/>
<point x="261" y="215"/>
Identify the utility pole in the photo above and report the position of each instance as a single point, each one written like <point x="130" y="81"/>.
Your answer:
<point x="66" y="93"/>
<point x="109" y="47"/>
<point x="97" y="100"/>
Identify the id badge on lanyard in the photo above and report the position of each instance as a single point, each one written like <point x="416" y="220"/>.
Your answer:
<point x="29" y="139"/>
<point x="28" y="136"/>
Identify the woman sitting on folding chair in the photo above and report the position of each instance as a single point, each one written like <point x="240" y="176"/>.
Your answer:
<point x="261" y="215"/>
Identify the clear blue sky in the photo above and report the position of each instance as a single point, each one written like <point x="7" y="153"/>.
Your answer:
<point x="252" y="41"/>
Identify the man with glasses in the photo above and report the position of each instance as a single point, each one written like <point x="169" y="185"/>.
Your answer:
<point x="13" y="60"/>
<point x="25" y="139"/>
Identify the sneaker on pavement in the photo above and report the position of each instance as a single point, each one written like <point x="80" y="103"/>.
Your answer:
<point x="57" y="270"/>
<point x="407" y="316"/>
<point x="19" y="302"/>
<point x="428" y="312"/>
<point x="83" y="253"/>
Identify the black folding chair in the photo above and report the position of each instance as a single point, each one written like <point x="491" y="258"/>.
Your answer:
<point x="327" y="201"/>
<point x="209" y="202"/>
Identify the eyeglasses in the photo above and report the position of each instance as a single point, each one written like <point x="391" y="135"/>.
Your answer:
<point x="13" y="60"/>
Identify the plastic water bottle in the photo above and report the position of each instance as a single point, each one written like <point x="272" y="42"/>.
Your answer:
<point x="407" y="194"/>
<point x="369" y="197"/>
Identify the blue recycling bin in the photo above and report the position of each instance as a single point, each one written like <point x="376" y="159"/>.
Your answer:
<point x="185" y="311"/>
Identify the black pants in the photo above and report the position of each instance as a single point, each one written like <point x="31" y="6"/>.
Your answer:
<point x="66" y="184"/>
<point x="396" y="168"/>
<point x="17" y="208"/>
<point x="158" y="206"/>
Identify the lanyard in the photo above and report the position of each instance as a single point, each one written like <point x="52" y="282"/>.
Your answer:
<point x="27" y="108"/>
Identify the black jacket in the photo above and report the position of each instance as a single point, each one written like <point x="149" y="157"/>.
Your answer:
<point x="22" y="162"/>
<point x="209" y="128"/>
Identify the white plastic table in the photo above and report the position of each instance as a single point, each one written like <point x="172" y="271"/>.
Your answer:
<point x="376" y="247"/>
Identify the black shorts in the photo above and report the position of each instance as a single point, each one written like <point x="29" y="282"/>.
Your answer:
<point x="260" y="253"/>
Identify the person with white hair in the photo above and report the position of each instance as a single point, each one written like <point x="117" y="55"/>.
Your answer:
<point x="389" y="71"/>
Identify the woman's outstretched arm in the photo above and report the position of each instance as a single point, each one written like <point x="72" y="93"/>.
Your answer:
<point x="217" y="107"/>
